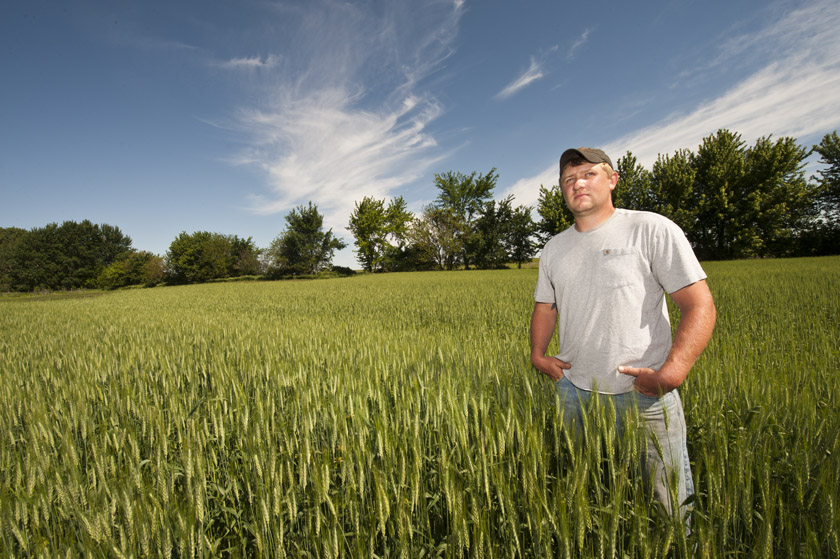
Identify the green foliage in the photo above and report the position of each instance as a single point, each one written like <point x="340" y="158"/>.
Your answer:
<point x="829" y="179"/>
<point x="733" y="201"/>
<point x="438" y="237"/>
<point x="554" y="215"/>
<point x="823" y="234"/>
<point x="138" y="268"/>
<point x="634" y="190"/>
<point x="463" y="197"/>
<point x="303" y="248"/>
<point x="672" y="180"/>
<point x="398" y="416"/>
<point x="380" y="232"/>
<point x="486" y="245"/>
<point x="501" y="234"/>
<point x="520" y="236"/>
<point x="9" y="239"/>
<point x="66" y="256"/>
<point x="369" y="224"/>
<point x="749" y="201"/>
<point x="204" y="256"/>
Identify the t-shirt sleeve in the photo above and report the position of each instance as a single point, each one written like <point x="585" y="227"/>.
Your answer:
<point x="674" y="263"/>
<point x="544" y="292"/>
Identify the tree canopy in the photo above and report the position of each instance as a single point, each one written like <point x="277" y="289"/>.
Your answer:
<point x="204" y="256"/>
<point x="304" y="247"/>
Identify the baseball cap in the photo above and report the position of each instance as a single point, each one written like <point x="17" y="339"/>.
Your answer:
<point x="592" y="155"/>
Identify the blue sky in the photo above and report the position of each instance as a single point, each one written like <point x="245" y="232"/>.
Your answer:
<point x="161" y="117"/>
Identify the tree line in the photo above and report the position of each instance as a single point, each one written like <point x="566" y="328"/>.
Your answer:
<point x="731" y="199"/>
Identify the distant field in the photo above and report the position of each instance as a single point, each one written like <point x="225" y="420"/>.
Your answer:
<point x="398" y="416"/>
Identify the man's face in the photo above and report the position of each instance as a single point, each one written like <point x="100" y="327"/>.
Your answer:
<point x="587" y="188"/>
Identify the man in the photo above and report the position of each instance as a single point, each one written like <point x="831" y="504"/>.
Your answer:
<point x="602" y="282"/>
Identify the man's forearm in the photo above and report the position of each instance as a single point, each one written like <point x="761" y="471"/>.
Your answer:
<point x="697" y="322"/>
<point x="543" y="322"/>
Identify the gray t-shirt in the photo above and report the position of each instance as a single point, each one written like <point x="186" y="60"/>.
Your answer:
<point x="609" y="285"/>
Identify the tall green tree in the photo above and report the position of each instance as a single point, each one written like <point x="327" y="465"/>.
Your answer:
<point x="304" y="247"/>
<point x="672" y="178"/>
<point x="750" y="200"/>
<point x="554" y="214"/>
<point x="244" y="257"/>
<point x="828" y="200"/>
<point x="823" y="234"/>
<point x="464" y="196"/>
<point x="9" y="239"/>
<point x="488" y="246"/>
<point x="719" y="177"/>
<point x="779" y="201"/>
<point x="138" y="268"/>
<point x="437" y="236"/>
<point x="379" y="231"/>
<point x="197" y="257"/>
<point x="634" y="190"/>
<point x="397" y="250"/>
<point x="369" y="225"/>
<point x="520" y="237"/>
<point x="66" y="256"/>
<point x="204" y="256"/>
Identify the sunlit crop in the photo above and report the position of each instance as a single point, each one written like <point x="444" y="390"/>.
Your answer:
<point x="397" y="415"/>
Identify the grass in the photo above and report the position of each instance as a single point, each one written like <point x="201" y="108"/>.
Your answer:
<point x="398" y="416"/>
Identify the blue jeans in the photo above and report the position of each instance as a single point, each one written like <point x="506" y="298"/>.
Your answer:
<point x="666" y="453"/>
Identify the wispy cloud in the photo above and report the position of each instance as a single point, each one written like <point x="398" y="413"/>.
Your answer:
<point x="251" y="63"/>
<point x="582" y="40"/>
<point x="345" y="116"/>
<point x="792" y="94"/>
<point x="532" y="74"/>
<point x="537" y="68"/>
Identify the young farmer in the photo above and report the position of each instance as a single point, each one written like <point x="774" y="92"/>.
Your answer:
<point x="602" y="283"/>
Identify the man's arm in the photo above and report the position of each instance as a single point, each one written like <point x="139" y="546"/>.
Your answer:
<point x="697" y="322"/>
<point x="543" y="321"/>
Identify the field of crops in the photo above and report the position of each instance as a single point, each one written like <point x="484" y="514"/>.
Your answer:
<point x="398" y="416"/>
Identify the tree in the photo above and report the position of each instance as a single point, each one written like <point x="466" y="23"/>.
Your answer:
<point x="369" y="225"/>
<point x="138" y="268"/>
<point x="197" y="257"/>
<point x="826" y="225"/>
<point x="633" y="190"/>
<point x="463" y="196"/>
<point x="750" y="201"/>
<point x="779" y="200"/>
<point x="719" y="170"/>
<point x="437" y="237"/>
<point x="829" y="179"/>
<point x="204" y="256"/>
<point x="303" y="248"/>
<point x="554" y="214"/>
<point x="9" y="239"/>
<point x="397" y="249"/>
<point x="66" y="256"/>
<point x="520" y="244"/>
<point x="115" y="245"/>
<point x="380" y="232"/>
<point x="673" y="180"/>
<point x="245" y="257"/>
<point x="488" y="244"/>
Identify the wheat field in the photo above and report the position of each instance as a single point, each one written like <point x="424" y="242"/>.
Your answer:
<point x="397" y="415"/>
